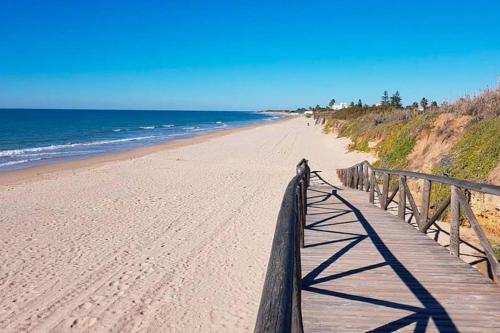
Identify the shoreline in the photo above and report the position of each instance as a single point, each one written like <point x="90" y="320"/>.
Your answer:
<point x="15" y="177"/>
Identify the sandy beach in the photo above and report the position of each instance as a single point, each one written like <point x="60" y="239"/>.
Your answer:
<point x="175" y="238"/>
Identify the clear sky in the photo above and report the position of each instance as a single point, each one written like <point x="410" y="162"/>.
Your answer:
<point x="243" y="55"/>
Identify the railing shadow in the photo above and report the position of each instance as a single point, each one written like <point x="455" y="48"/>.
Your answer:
<point x="421" y="315"/>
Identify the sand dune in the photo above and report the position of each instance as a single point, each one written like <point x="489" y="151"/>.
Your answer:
<point x="173" y="241"/>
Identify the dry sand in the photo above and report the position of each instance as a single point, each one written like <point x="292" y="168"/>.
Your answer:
<point x="175" y="240"/>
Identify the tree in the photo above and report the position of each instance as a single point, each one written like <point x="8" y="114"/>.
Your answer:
<point x="332" y="102"/>
<point x="385" y="98"/>
<point x="434" y="104"/>
<point x="351" y="105"/>
<point x="415" y="105"/>
<point x="424" y="102"/>
<point x="396" y="100"/>
<point x="317" y="107"/>
<point x="360" y="104"/>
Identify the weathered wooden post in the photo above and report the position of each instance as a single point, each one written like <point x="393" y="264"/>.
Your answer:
<point x="402" y="198"/>
<point x="367" y="182"/>
<point x="356" y="178"/>
<point x="385" y="191"/>
<point x="360" y="177"/>
<point x="372" y="187"/>
<point x="426" y="200"/>
<point x="351" y="178"/>
<point x="455" y="222"/>
<point x="308" y="176"/>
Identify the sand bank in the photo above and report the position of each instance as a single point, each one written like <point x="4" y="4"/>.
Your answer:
<point x="172" y="238"/>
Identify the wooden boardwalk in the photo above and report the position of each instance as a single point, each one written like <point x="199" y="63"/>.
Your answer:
<point x="365" y="270"/>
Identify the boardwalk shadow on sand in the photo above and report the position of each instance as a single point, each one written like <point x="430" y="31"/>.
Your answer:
<point x="419" y="316"/>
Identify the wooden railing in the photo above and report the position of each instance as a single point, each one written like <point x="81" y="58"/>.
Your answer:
<point x="363" y="176"/>
<point x="280" y="309"/>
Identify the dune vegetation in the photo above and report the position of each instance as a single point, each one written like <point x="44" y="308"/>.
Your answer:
<point x="459" y="140"/>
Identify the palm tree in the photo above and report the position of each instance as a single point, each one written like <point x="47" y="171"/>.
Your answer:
<point x="332" y="102"/>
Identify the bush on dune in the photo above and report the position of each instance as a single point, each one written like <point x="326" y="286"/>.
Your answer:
<point x="397" y="129"/>
<point x="474" y="154"/>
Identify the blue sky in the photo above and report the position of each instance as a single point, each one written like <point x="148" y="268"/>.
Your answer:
<point x="243" y="55"/>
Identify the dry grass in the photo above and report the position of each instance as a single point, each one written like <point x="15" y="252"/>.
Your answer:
<point x="485" y="105"/>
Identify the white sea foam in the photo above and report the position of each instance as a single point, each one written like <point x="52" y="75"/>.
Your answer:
<point x="195" y="129"/>
<point x="147" y="127"/>
<point x="18" y="152"/>
<point x="168" y="125"/>
<point x="59" y="153"/>
<point x="117" y="130"/>
<point x="18" y="162"/>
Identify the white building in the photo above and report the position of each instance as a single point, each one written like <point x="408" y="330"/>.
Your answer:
<point x="339" y="106"/>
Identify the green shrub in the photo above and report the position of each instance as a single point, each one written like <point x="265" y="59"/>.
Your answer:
<point x="476" y="154"/>
<point x="472" y="158"/>
<point x="401" y="139"/>
<point x="360" y="144"/>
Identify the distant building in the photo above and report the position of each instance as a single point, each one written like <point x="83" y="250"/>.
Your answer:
<point x="308" y="113"/>
<point x="339" y="106"/>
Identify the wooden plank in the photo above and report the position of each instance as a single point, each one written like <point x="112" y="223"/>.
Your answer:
<point x="363" y="270"/>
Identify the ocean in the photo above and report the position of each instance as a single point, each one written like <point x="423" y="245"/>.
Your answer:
<point x="30" y="137"/>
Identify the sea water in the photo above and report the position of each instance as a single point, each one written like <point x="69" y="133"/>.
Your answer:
<point x="30" y="137"/>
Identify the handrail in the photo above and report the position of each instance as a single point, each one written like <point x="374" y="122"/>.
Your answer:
<point x="279" y="309"/>
<point x="477" y="187"/>
<point x="363" y="176"/>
